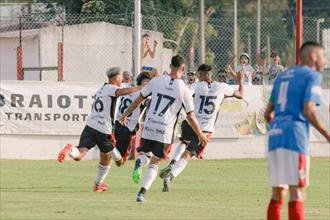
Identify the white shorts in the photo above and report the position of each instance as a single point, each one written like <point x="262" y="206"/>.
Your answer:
<point x="286" y="167"/>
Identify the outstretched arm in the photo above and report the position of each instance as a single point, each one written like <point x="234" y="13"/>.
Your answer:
<point x="126" y="91"/>
<point x="131" y="108"/>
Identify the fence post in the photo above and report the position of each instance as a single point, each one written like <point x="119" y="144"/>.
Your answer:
<point x="60" y="61"/>
<point x="19" y="55"/>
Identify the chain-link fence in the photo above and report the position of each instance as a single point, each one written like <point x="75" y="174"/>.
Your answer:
<point x="92" y="43"/>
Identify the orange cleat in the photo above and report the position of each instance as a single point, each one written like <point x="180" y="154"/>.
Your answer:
<point x="101" y="188"/>
<point x="64" y="152"/>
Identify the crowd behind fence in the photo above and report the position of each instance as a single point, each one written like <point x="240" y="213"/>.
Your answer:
<point x="94" y="51"/>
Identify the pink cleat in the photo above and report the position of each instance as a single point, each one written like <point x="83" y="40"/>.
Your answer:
<point x="64" y="152"/>
<point x="101" y="188"/>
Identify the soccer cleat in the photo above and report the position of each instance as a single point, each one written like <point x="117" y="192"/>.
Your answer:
<point x="64" y="152"/>
<point x="165" y="171"/>
<point x="167" y="182"/>
<point x="101" y="187"/>
<point x="140" y="198"/>
<point x="136" y="174"/>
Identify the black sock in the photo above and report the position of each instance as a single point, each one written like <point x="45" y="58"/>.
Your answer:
<point x="143" y="190"/>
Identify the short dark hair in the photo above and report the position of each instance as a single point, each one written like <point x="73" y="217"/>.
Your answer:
<point x="177" y="61"/>
<point x="305" y="48"/>
<point x="204" y="68"/>
<point x="142" y="76"/>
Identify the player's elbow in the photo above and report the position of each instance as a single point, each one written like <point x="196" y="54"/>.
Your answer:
<point x="308" y="113"/>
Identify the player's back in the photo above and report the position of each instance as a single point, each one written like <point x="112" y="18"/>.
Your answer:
<point x="103" y="109"/>
<point x="168" y="96"/>
<point x="291" y="89"/>
<point x="207" y="100"/>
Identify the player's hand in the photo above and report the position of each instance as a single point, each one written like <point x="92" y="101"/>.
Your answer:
<point x="203" y="139"/>
<point x="122" y="120"/>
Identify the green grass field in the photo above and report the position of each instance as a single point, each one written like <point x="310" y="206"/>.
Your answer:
<point x="216" y="189"/>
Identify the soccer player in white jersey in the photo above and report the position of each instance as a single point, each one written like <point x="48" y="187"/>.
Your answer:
<point x="168" y="95"/>
<point x="124" y="133"/>
<point x="290" y="111"/>
<point x="208" y="96"/>
<point x="98" y="128"/>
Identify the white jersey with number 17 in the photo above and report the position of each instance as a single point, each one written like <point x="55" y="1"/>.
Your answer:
<point x="103" y="109"/>
<point x="168" y="96"/>
<point x="207" y="100"/>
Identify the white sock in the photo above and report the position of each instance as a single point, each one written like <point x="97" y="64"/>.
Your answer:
<point x="115" y="154"/>
<point x="149" y="176"/>
<point x="74" y="154"/>
<point x="144" y="160"/>
<point x="179" y="166"/>
<point x="101" y="173"/>
<point x="178" y="151"/>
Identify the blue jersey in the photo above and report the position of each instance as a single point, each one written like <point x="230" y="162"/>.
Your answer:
<point x="291" y="90"/>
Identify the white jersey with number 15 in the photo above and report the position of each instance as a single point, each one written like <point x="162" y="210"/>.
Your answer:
<point x="207" y="100"/>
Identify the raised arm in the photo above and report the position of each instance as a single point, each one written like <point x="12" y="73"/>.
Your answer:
<point x="239" y="93"/>
<point x="310" y="114"/>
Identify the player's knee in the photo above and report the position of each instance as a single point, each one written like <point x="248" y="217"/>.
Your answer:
<point x="297" y="194"/>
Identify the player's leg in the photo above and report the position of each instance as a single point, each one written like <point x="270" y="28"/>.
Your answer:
<point x="159" y="151"/>
<point x="193" y="149"/>
<point x="187" y="135"/>
<point x="296" y="203"/>
<point x="143" y="159"/>
<point x="276" y="202"/>
<point x="300" y="172"/>
<point x="176" y="156"/>
<point x="77" y="153"/>
<point x="123" y="137"/>
<point x="148" y="178"/>
<point x="102" y="171"/>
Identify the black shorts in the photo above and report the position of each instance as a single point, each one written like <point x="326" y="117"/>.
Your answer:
<point x="124" y="139"/>
<point x="91" y="137"/>
<point x="189" y="137"/>
<point x="160" y="150"/>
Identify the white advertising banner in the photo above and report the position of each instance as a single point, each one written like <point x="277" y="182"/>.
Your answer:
<point x="61" y="108"/>
<point x="50" y="108"/>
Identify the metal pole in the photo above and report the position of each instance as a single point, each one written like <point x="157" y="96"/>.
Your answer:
<point x="268" y="48"/>
<point x="298" y="28"/>
<point x="258" y="27"/>
<point x="202" y="31"/>
<point x="235" y="32"/>
<point x="249" y="43"/>
<point x="137" y="38"/>
<point x="318" y="29"/>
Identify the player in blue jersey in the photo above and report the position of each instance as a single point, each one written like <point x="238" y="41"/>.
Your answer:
<point x="290" y="111"/>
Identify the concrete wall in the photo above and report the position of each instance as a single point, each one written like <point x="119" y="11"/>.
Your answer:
<point x="89" y="49"/>
<point x="47" y="147"/>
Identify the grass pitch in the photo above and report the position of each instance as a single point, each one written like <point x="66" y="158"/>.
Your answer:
<point x="215" y="189"/>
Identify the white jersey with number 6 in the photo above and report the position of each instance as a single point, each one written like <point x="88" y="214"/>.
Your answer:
<point x="103" y="109"/>
<point x="168" y="96"/>
<point x="207" y="100"/>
